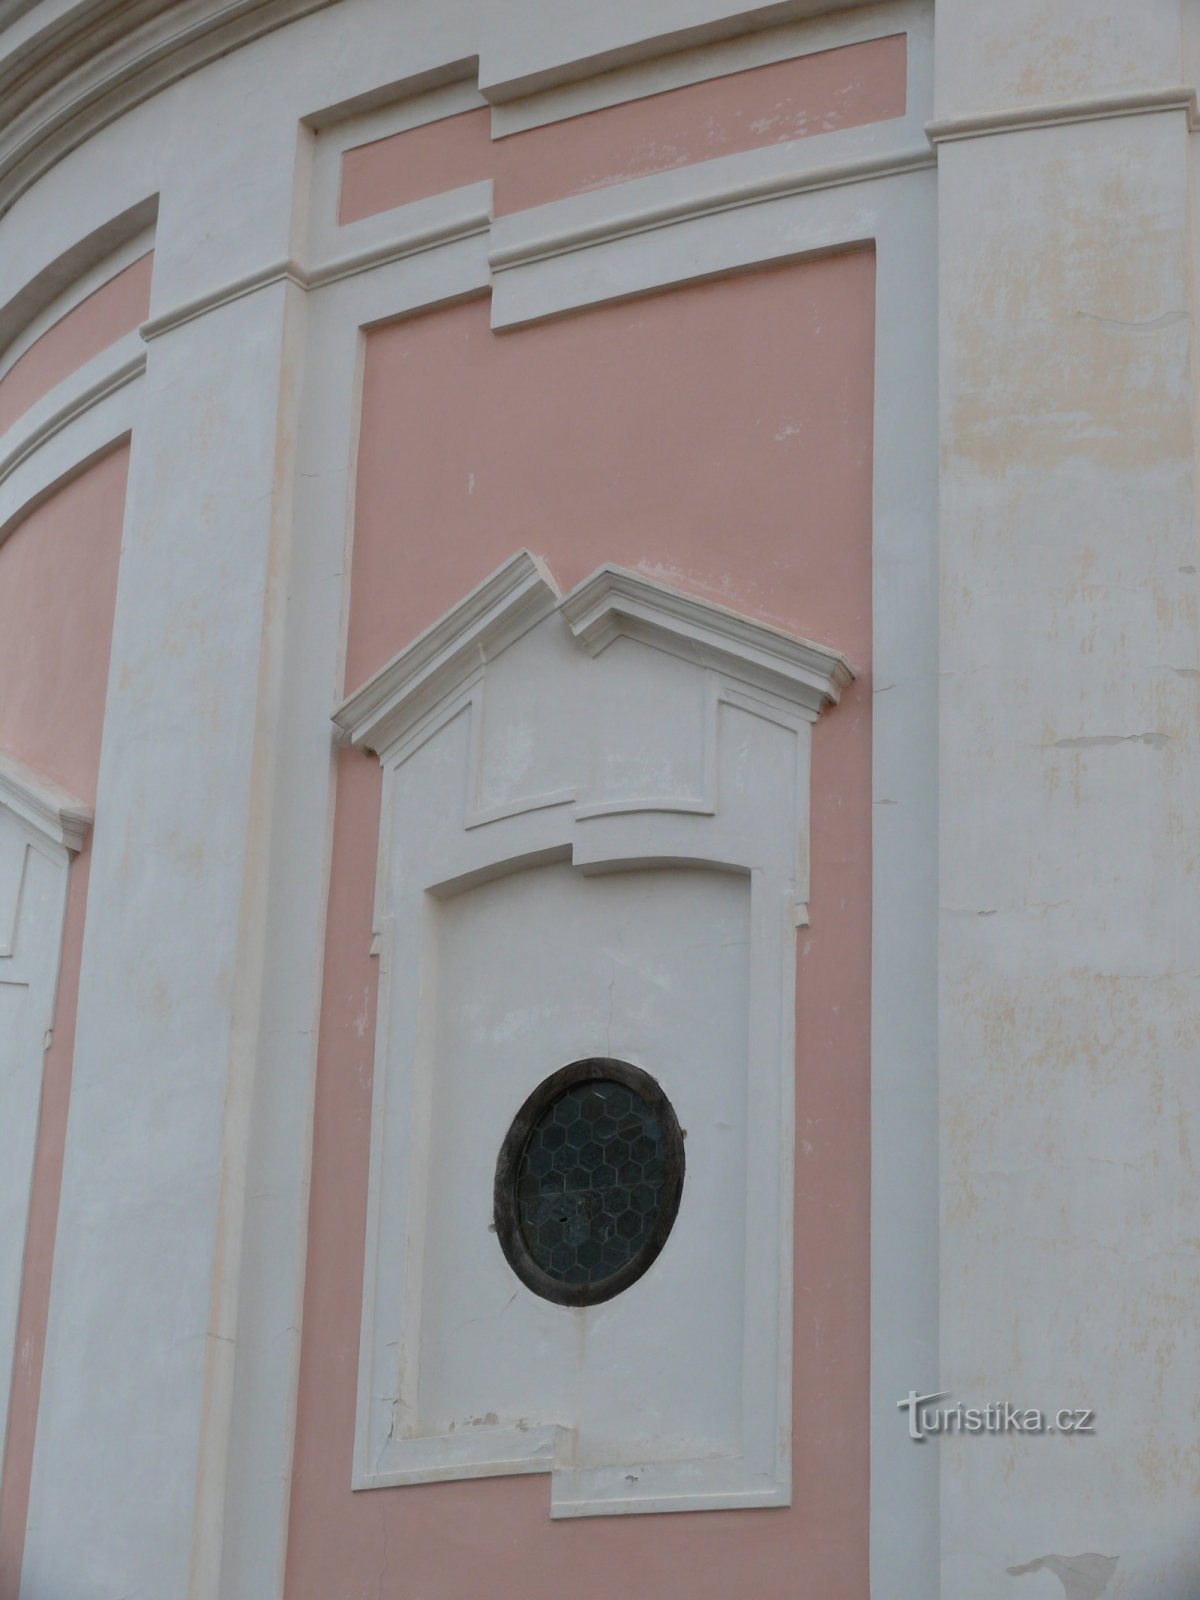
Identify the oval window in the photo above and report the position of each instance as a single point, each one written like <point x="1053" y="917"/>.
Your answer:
<point x="588" y="1181"/>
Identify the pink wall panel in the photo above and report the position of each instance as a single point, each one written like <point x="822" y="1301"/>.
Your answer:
<point x="115" y="308"/>
<point x="415" y="164"/>
<point x="58" y="584"/>
<point x="717" y="436"/>
<point x="842" y="88"/>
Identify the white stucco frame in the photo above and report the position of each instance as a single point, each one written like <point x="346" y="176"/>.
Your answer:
<point x="449" y="840"/>
<point x="41" y="827"/>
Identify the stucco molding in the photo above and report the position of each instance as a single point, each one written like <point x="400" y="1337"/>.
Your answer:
<point x="615" y="603"/>
<point x="461" y="214"/>
<point x="612" y="603"/>
<point x="437" y="663"/>
<point x="43" y="804"/>
<point x="64" y="82"/>
<point x="515" y="693"/>
<point x="724" y="184"/>
<point x="121" y="364"/>
<point x="1090" y="108"/>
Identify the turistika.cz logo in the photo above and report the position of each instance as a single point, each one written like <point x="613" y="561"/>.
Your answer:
<point x="926" y="1419"/>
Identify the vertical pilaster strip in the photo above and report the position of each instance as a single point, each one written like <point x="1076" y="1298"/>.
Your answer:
<point x="148" y="1246"/>
<point x="1069" y="768"/>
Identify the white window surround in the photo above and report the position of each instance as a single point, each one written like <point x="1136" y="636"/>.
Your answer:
<point x="40" y="825"/>
<point x="715" y="710"/>
<point x="43" y="805"/>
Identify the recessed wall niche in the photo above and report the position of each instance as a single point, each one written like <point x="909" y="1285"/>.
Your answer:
<point x="593" y="848"/>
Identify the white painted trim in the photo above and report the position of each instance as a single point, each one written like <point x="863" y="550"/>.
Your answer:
<point x="408" y="230"/>
<point x="503" y="76"/>
<point x="437" y="663"/>
<point x="82" y="439"/>
<point x="702" y="63"/>
<point x="611" y="603"/>
<point x="1088" y="108"/>
<point x="679" y="196"/>
<point x="286" y="271"/>
<point x="54" y="278"/>
<point x="339" y="252"/>
<point x="615" y="603"/>
<point x="60" y="288"/>
<point x="253" y="1538"/>
<point x="821" y="161"/>
<point x="72" y="87"/>
<point x="31" y="930"/>
<point x="43" y="804"/>
<point x="120" y="364"/>
<point x="443" y="850"/>
<point x="368" y="127"/>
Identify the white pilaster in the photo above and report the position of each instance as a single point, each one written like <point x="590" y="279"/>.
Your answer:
<point x="1069" y="763"/>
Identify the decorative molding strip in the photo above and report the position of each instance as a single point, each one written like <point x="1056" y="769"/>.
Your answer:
<point x="44" y="804"/>
<point x="406" y="231"/>
<point x="71" y="268"/>
<point x="614" y="603"/>
<point x="752" y="46"/>
<point x="700" y="201"/>
<point x="81" y="73"/>
<point x="278" y="272"/>
<point x="470" y="220"/>
<point x="501" y="80"/>
<point x="1093" y="108"/>
<point x="70" y="400"/>
<point x="502" y="608"/>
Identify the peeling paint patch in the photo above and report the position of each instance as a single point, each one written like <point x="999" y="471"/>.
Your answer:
<point x="1091" y="742"/>
<point x="1083" y="1577"/>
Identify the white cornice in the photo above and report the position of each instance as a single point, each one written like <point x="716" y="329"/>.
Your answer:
<point x="122" y="363"/>
<point x="615" y="603"/>
<point x="612" y="603"/>
<point x="437" y="663"/>
<point x="1093" y="108"/>
<point x="91" y="62"/>
<point x="43" y="804"/>
<point x="642" y="204"/>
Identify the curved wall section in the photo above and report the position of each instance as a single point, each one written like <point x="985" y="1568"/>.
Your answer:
<point x="58" y="586"/>
<point x="314" y="315"/>
<point x="99" y="320"/>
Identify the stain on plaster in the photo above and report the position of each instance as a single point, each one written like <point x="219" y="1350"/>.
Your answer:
<point x="1084" y="1577"/>
<point x="1156" y="741"/>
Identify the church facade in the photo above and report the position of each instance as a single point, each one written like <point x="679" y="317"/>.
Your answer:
<point x="598" y="773"/>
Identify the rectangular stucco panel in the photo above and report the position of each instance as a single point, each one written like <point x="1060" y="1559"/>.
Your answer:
<point x="810" y="94"/>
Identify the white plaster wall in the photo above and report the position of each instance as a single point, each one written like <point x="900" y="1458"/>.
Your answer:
<point x="1069" y="1011"/>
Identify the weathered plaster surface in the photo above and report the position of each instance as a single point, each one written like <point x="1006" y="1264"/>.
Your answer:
<point x="1033" y="52"/>
<point x="1070" y="1021"/>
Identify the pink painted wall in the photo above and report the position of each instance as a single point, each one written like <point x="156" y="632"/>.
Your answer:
<point x="58" y="584"/>
<point x="842" y="88"/>
<point x="415" y="164"/>
<point x="718" y="436"/>
<point x="115" y="308"/>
